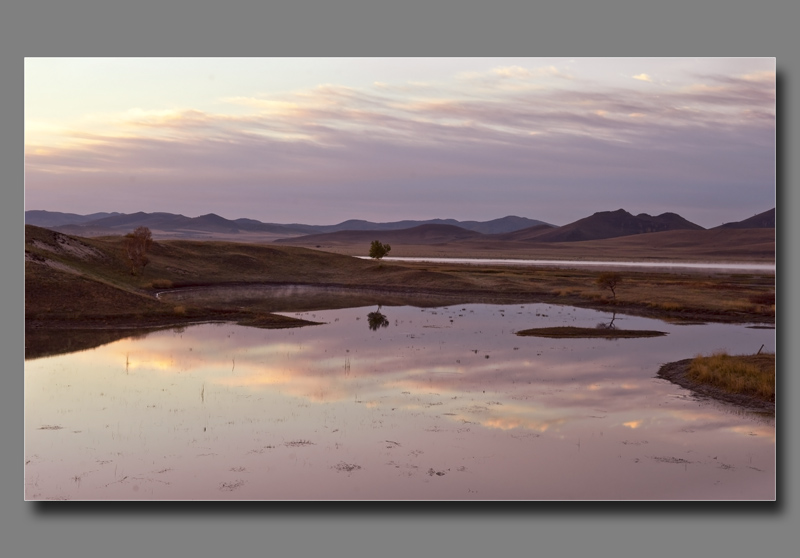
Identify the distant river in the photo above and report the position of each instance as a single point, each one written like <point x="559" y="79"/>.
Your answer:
<point x="698" y="266"/>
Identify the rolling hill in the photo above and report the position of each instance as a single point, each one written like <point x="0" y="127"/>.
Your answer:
<point x="606" y="234"/>
<point x="421" y="234"/>
<point x="99" y="224"/>
<point x="611" y="224"/>
<point x="765" y="220"/>
<point x="601" y="225"/>
<point x="49" y="219"/>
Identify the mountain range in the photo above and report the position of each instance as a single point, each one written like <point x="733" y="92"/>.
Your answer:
<point x="600" y="225"/>
<point x="98" y="224"/>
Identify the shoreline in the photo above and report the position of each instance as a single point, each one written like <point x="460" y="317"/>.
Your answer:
<point x="677" y="373"/>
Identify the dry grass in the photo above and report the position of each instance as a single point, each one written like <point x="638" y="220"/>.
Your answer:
<point x="103" y="287"/>
<point x="747" y="374"/>
<point x="161" y="284"/>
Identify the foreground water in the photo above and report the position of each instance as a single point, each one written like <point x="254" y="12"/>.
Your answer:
<point x="424" y="404"/>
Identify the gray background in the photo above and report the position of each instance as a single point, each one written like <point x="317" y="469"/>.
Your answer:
<point x="359" y="28"/>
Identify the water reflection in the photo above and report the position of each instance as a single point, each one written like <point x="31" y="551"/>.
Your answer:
<point x="377" y="320"/>
<point x="609" y="324"/>
<point x="502" y="417"/>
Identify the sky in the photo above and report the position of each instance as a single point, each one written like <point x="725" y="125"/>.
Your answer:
<point x="322" y="140"/>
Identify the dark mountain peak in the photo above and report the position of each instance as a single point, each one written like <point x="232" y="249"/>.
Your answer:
<point x="611" y="224"/>
<point x="212" y="218"/>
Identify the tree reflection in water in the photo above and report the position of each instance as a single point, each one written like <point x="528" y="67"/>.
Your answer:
<point x="609" y="325"/>
<point x="377" y="320"/>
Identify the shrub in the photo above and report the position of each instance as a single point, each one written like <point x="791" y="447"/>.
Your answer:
<point x="161" y="284"/>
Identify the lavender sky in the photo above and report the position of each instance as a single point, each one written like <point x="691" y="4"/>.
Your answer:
<point x="321" y="140"/>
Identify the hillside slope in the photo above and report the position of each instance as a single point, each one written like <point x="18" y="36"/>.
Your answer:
<point x="765" y="220"/>
<point x="422" y="234"/>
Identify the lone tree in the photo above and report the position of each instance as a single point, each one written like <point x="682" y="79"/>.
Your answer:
<point x="378" y="250"/>
<point x="136" y="245"/>
<point x="609" y="280"/>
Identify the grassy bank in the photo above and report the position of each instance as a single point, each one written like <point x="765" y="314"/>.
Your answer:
<point x="746" y="374"/>
<point x="744" y="380"/>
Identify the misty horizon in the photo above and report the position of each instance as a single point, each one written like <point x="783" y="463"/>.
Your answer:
<point x="733" y="219"/>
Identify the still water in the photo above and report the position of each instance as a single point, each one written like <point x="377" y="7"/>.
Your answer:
<point x="424" y="404"/>
<point x="638" y="265"/>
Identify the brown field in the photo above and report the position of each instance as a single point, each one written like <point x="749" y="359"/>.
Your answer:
<point x="85" y="282"/>
<point x="717" y="245"/>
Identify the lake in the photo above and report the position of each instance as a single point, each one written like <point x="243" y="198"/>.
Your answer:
<point x="417" y="403"/>
<point x="707" y="267"/>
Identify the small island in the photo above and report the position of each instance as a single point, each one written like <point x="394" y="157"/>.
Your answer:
<point x="588" y="333"/>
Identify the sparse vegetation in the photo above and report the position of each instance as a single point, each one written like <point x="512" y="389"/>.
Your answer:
<point x="93" y="287"/>
<point x="609" y="280"/>
<point x="161" y="284"/>
<point x="746" y="374"/>
<point x="136" y="246"/>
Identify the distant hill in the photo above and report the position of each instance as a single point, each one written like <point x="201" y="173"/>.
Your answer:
<point x="120" y="223"/>
<point x="531" y="233"/>
<point x="764" y="220"/>
<point x="611" y="224"/>
<point x="601" y="225"/>
<point x="495" y="226"/>
<point x="421" y="234"/>
<point x="606" y="234"/>
<point x="56" y="218"/>
<point x="507" y="224"/>
<point x="115" y="223"/>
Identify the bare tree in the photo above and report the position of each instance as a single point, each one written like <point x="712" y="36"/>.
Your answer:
<point x="609" y="280"/>
<point x="136" y="245"/>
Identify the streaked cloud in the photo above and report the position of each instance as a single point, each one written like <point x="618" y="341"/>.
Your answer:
<point x="508" y="126"/>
